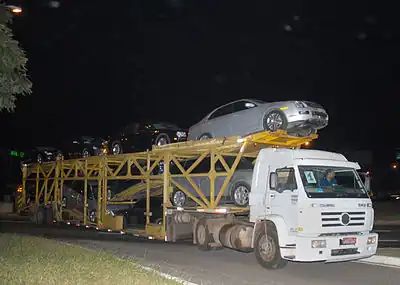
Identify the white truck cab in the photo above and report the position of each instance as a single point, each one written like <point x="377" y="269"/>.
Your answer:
<point x="316" y="204"/>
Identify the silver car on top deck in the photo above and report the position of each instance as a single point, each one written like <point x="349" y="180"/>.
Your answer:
<point x="246" y="116"/>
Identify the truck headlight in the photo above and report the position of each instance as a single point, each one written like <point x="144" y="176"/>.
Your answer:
<point x="371" y="240"/>
<point x="318" y="243"/>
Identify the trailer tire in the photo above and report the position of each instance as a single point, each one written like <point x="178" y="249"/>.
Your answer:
<point x="48" y="215"/>
<point x="40" y="215"/>
<point x="203" y="236"/>
<point x="271" y="259"/>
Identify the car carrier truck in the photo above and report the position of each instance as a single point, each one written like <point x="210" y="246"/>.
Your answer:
<point x="304" y="205"/>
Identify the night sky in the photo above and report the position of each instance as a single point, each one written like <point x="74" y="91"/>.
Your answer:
<point x="96" y="65"/>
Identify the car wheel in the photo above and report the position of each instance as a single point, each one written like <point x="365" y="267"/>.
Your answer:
<point x="93" y="216"/>
<point x="85" y="153"/>
<point x="240" y="194"/>
<point x="178" y="198"/>
<point x="116" y="148"/>
<point x="39" y="158"/>
<point x="204" y="137"/>
<point x="162" y="139"/>
<point x="275" y="120"/>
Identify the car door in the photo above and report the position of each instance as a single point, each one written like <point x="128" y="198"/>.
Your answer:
<point x="244" y="119"/>
<point x="283" y="199"/>
<point x="218" y="123"/>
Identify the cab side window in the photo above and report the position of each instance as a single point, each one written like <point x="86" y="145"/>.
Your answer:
<point x="286" y="179"/>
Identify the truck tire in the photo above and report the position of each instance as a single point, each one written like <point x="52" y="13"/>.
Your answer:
<point x="266" y="249"/>
<point x="202" y="235"/>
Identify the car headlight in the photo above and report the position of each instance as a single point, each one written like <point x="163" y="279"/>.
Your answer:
<point x="181" y="134"/>
<point x="300" y="104"/>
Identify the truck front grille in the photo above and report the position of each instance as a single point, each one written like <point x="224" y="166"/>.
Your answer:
<point x="340" y="219"/>
<point x="344" y="251"/>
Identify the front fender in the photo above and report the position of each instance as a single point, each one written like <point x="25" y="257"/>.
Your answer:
<point x="273" y="221"/>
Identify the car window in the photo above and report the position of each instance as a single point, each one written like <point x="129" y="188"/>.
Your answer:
<point x="244" y="163"/>
<point x="243" y="105"/>
<point x="130" y="129"/>
<point x="202" y="167"/>
<point x="225" y="110"/>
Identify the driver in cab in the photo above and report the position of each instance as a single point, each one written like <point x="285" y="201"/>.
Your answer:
<point x="329" y="180"/>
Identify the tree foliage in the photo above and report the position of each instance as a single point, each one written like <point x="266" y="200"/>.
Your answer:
<point x="14" y="80"/>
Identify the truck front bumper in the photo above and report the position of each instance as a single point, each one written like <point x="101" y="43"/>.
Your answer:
<point x="331" y="248"/>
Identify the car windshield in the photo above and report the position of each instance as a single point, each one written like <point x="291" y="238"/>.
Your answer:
<point x="331" y="182"/>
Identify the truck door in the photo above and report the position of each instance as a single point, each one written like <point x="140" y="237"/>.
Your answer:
<point x="283" y="198"/>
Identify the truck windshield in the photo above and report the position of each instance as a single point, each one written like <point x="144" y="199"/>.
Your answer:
<point x="331" y="182"/>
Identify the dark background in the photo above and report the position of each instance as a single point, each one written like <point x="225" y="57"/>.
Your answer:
<point x="96" y="65"/>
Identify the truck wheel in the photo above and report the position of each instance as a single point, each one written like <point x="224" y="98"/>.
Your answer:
<point x="267" y="251"/>
<point x="203" y="236"/>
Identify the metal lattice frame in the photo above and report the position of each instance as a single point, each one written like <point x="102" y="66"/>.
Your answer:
<point x="49" y="178"/>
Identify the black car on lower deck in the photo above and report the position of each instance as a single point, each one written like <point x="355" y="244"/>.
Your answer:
<point x="135" y="137"/>
<point x="85" y="146"/>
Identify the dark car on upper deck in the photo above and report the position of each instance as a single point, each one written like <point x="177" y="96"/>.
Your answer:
<point x="135" y="137"/>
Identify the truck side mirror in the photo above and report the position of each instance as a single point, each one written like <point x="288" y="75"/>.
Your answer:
<point x="273" y="180"/>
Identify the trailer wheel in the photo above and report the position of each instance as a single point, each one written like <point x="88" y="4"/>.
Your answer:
<point x="40" y="215"/>
<point x="203" y="236"/>
<point x="267" y="251"/>
<point x="49" y="215"/>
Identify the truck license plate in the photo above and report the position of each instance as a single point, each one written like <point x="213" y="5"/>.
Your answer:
<point x="348" y="241"/>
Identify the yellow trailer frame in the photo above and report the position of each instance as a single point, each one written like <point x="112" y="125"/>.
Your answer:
<point x="50" y="177"/>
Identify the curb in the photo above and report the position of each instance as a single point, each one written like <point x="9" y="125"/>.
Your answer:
<point x="381" y="260"/>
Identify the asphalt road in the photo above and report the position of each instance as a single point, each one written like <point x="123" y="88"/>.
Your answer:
<point x="217" y="267"/>
<point x="389" y="236"/>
